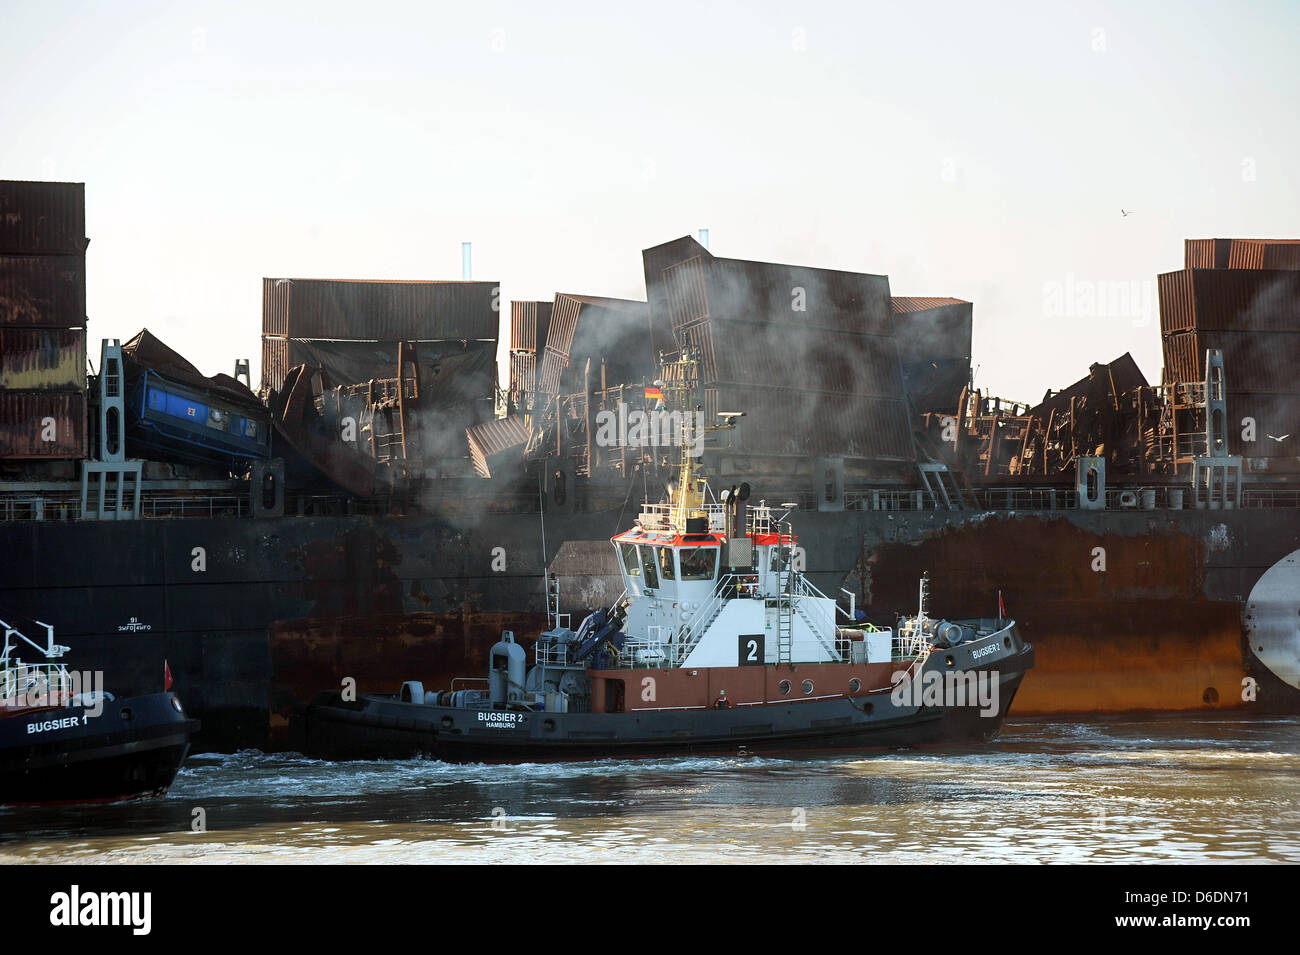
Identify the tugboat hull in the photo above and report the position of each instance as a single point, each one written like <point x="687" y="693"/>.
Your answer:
<point x="133" y="747"/>
<point x="378" y="727"/>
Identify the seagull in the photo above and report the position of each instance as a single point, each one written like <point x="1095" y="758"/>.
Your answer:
<point x="1283" y="438"/>
<point x="1123" y="213"/>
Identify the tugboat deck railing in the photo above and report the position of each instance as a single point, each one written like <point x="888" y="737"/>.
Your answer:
<point x="19" y="683"/>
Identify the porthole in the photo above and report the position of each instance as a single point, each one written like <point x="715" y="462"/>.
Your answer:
<point x="855" y="685"/>
<point x="1006" y="642"/>
<point x="949" y="661"/>
<point x="126" y="713"/>
<point x="446" y="722"/>
<point x="784" y="687"/>
<point x="807" y="687"/>
<point x="868" y="708"/>
<point x="548" y="724"/>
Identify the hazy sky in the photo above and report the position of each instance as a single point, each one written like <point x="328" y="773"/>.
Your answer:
<point x="973" y="150"/>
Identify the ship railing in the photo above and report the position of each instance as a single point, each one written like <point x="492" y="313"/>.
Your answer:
<point x="688" y="637"/>
<point x="553" y="655"/>
<point x="663" y="517"/>
<point x="912" y="639"/>
<point x="820" y="621"/>
<point x="1137" y="497"/>
<point x="31" y="684"/>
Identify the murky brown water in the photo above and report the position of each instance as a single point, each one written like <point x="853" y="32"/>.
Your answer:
<point x="1166" y="791"/>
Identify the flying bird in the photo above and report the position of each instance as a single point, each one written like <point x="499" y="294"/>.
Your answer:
<point x="1283" y="438"/>
<point x="1123" y="213"/>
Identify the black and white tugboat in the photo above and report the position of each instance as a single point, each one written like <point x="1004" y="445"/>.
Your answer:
<point x="718" y="645"/>
<point x="63" y="739"/>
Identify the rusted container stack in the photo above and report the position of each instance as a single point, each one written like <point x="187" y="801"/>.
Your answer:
<point x="810" y="355"/>
<point x="352" y="315"/>
<point x="1241" y="296"/>
<point x="42" y="320"/>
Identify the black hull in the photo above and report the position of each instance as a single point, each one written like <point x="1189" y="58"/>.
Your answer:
<point x="132" y="749"/>
<point x="377" y="727"/>
<point x="287" y="606"/>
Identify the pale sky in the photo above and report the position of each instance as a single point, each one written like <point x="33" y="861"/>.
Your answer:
<point x="971" y="150"/>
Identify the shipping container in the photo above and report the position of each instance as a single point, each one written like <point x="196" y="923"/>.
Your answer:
<point x="42" y="218"/>
<point x="43" y="290"/>
<point x="42" y="425"/>
<point x="1206" y="253"/>
<point x="1253" y="362"/>
<point x="563" y="324"/>
<point x="491" y="440"/>
<point x="793" y="356"/>
<point x="550" y="372"/>
<point x="529" y="323"/>
<point x="275" y="362"/>
<point x="42" y="359"/>
<point x="786" y="422"/>
<point x="347" y="309"/>
<point x="1264" y="254"/>
<point x="1254" y="299"/>
<point x="523" y="373"/>
<point x="686" y="284"/>
<point x="686" y="287"/>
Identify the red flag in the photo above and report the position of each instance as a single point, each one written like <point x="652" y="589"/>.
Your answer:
<point x="167" y="677"/>
<point x="1002" y="610"/>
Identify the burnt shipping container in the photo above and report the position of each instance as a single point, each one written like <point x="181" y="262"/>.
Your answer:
<point x="793" y="356"/>
<point x="348" y="309"/>
<point x="1206" y="253"/>
<point x="788" y="422"/>
<point x="529" y="324"/>
<point x="1241" y="299"/>
<point x="1253" y="362"/>
<point x="42" y="359"/>
<point x="685" y="284"/>
<point x="43" y="290"/>
<point x="42" y="425"/>
<point x="493" y="443"/>
<point x="42" y="218"/>
<point x="1264" y="254"/>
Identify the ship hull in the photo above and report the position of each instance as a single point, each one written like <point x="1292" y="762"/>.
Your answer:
<point x="278" y="608"/>
<point x="382" y="727"/>
<point x="133" y="748"/>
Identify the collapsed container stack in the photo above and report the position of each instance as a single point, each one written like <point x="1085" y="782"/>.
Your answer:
<point x="42" y="320"/>
<point x="809" y="355"/>
<point x="1241" y="296"/>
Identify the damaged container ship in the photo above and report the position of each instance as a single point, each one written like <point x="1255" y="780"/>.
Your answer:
<point x="379" y="504"/>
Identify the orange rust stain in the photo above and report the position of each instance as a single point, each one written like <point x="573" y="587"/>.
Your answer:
<point x="1140" y="635"/>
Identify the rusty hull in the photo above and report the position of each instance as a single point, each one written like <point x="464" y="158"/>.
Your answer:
<point x="1142" y="635"/>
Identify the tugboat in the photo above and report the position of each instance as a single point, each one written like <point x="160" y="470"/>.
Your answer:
<point x="718" y="644"/>
<point x="63" y="739"/>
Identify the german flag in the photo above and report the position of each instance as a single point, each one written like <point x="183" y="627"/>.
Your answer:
<point x="654" y="394"/>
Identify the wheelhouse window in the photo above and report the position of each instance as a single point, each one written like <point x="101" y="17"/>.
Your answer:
<point x="666" y="563"/>
<point x="631" y="563"/>
<point x="698" y="563"/>
<point x="648" y="563"/>
<point x="780" y="558"/>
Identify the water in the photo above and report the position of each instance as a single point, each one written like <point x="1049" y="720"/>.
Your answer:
<point x="1152" y="791"/>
